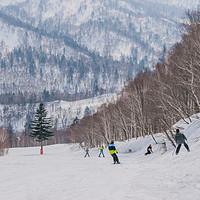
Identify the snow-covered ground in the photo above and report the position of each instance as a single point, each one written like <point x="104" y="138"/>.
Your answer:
<point x="63" y="173"/>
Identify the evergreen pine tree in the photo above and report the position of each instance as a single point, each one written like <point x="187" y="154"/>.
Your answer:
<point x="40" y="126"/>
<point x="87" y="111"/>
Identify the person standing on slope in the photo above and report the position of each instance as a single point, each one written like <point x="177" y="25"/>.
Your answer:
<point x="101" y="151"/>
<point x="149" y="150"/>
<point x="180" y="139"/>
<point x="87" y="152"/>
<point x="113" y="151"/>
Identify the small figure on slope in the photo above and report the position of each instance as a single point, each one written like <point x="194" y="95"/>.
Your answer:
<point x="101" y="151"/>
<point x="113" y="151"/>
<point x="180" y="139"/>
<point x="149" y="150"/>
<point x="87" y="152"/>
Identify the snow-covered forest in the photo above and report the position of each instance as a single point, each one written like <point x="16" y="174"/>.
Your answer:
<point x="153" y="101"/>
<point x="96" y="72"/>
<point x="51" y="53"/>
<point x="70" y="50"/>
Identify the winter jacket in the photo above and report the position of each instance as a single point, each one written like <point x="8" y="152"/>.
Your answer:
<point x="149" y="148"/>
<point x="101" y="149"/>
<point x="112" y="149"/>
<point x="180" y="138"/>
<point x="87" y="150"/>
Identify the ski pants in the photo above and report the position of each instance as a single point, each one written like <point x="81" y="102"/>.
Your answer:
<point x="115" y="158"/>
<point x="179" y="146"/>
<point x="148" y="152"/>
<point x="87" y="154"/>
<point x="102" y="154"/>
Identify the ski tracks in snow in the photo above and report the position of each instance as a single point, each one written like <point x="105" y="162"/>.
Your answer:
<point x="65" y="174"/>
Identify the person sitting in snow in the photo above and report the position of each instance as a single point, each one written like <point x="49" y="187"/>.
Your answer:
<point x="149" y="150"/>
<point x="113" y="151"/>
<point x="180" y="139"/>
<point x="87" y="152"/>
<point x="101" y="151"/>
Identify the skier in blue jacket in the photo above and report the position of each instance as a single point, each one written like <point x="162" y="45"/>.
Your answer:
<point x="87" y="152"/>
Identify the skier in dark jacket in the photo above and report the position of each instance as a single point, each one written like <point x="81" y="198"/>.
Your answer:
<point x="149" y="150"/>
<point x="180" y="139"/>
<point x="87" y="152"/>
<point x="113" y="151"/>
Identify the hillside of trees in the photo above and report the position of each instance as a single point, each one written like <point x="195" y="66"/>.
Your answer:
<point x="48" y="54"/>
<point x="153" y="101"/>
<point x="58" y="78"/>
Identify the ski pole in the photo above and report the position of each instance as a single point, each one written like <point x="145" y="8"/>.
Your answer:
<point x="173" y="151"/>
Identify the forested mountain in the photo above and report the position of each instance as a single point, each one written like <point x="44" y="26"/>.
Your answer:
<point x="76" y="49"/>
<point x="53" y="49"/>
<point x="153" y="101"/>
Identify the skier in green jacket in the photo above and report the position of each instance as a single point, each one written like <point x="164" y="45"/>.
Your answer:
<point x="101" y="151"/>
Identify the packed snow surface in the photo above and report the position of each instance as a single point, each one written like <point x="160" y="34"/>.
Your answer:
<point x="63" y="173"/>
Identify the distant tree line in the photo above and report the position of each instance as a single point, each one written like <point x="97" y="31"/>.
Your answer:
<point x="153" y="101"/>
<point x="71" y="73"/>
<point x="46" y="96"/>
<point x="10" y="139"/>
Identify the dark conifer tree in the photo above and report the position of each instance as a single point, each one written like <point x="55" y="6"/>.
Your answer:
<point x="40" y="127"/>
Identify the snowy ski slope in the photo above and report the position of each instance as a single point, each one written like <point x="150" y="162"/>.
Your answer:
<point x="63" y="173"/>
